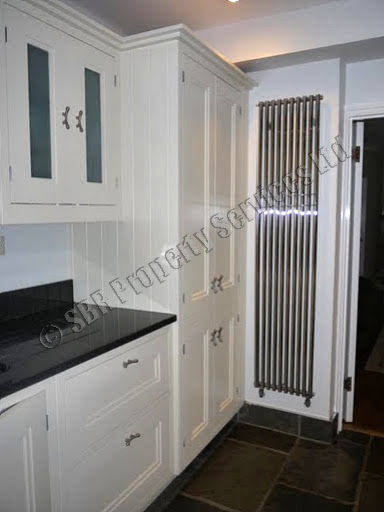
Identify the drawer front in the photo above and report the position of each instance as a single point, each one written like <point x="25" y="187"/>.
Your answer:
<point x="123" y="472"/>
<point x="107" y="396"/>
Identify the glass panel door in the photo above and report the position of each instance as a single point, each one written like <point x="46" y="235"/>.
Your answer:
<point x="96" y="182"/>
<point x="39" y="112"/>
<point x="93" y="126"/>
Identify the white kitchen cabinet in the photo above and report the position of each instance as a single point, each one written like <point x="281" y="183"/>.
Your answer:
<point x="198" y="183"/>
<point x="62" y="108"/>
<point x="114" y="427"/>
<point x="96" y="437"/>
<point x="187" y="97"/>
<point x="196" y="405"/>
<point x="102" y="397"/>
<point x="124" y="469"/>
<point x="211" y="121"/>
<point x="24" y="463"/>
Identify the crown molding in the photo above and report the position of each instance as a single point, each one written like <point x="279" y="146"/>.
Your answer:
<point x="186" y="36"/>
<point x="80" y="26"/>
<point x="71" y="21"/>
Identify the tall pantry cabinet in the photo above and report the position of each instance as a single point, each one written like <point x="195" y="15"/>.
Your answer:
<point x="185" y="158"/>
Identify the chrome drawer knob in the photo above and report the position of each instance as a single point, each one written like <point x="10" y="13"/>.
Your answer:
<point x="129" y="362"/>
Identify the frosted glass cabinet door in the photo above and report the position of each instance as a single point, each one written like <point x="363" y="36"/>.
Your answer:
<point x="30" y="57"/>
<point x="97" y="128"/>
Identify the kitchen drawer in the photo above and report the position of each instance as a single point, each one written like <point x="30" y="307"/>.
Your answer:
<point x="122" y="475"/>
<point x="108" y="395"/>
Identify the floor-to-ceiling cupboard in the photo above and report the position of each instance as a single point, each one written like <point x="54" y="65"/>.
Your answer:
<point x="196" y="103"/>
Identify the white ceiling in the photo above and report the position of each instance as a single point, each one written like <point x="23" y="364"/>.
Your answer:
<point x="134" y="16"/>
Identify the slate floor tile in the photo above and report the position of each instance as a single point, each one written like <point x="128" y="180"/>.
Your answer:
<point x="376" y="457"/>
<point x="184" y="504"/>
<point x="372" y="497"/>
<point x="318" y="430"/>
<point x="270" y="418"/>
<point x="354" y="437"/>
<point x="329" y="470"/>
<point x="263" y="437"/>
<point x="286" y="499"/>
<point x="237" y="476"/>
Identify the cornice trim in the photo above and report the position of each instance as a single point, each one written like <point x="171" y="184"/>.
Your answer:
<point x="68" y="19"/>
<point x="185" y="35"/>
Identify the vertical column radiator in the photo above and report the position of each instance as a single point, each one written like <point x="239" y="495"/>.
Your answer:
<point x="286" y="244"/>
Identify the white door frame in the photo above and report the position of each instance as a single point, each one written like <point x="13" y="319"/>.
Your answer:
<point x="346" y="357"/>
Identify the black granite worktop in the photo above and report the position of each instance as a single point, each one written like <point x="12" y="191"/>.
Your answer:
<point x="43" y="344"/>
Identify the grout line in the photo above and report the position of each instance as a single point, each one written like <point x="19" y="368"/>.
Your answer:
<point x="209" y="502"/>
<point x="376" y="475"/>
<point x="246" y="443"/>
<point x="268" y="428"/>
<point x="361" y="476"/>
<point x="361" y="430"/>
<point x="275" y="481"/>
<point x="313" y="493"/>
<point x="297" y="436"/>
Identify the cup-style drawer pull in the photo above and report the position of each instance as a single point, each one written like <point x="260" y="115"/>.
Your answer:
<point x="131" y="438"/>
<point x="65" y="115"/>
<point x="129" y="362"/>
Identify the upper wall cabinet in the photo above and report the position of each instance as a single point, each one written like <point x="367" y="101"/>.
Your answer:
<point x="62" y="117"/>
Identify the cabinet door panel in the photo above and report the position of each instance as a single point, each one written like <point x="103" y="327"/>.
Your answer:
<point x="223" y="388"/>
<point x="96" y="181"/>
<point x="24" y="464"/>
<point x="197" y="184"/>
<point x="33" y="53"/>
<point x="195" y="390"/>
<point x="228" y="101"/>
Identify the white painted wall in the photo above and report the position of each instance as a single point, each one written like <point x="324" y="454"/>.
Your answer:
<point x="365" y="82"/>
<point x="325" y="78"/>
<point x="315" y="27"/>
<point x="35" y="254"/>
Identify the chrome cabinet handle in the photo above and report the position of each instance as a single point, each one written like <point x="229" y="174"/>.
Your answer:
<point x="219" y="333"/>
<point x="214" y="285"/>
<point x="131" y="438"/>
<point x="220" y="282"/>
<point x="129" y="362"/>
<point x="79" y="118"/>
<point x="65" y="115"/>
<point x="213" y="338"/>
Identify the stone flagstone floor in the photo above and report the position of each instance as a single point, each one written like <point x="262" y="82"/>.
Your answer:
<point x="261" y="470"/>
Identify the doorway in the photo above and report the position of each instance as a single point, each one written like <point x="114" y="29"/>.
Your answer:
<point x="367" y="274"/>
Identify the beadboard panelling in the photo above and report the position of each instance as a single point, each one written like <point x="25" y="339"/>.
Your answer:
<point x="150" y="137"/>
<point x="79" y="261"/>
<point x="95" y="249"/>
<point x="141" y="112"/>
<point x="151" y="164"/>
<point x="109" y="233"/>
